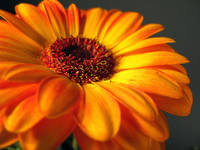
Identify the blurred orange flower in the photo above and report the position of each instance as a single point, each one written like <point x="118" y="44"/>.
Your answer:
<point x="95" y="73"/>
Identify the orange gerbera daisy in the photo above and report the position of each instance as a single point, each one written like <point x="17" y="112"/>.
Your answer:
<point x="94" y="73"/>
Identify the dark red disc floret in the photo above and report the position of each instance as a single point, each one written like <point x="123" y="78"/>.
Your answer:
<point x="80" y="59"/>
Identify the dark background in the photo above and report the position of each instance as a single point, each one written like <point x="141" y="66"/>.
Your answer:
<point x="182" y="21"/>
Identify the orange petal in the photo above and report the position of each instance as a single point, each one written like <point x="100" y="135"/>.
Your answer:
<point x="12" y="38"/>
<point x="5" y="65"/>
<point x="73" y="20"/>
<point x="48" y="133"/>
<point x="151" y="59"/>
<point x="188" y="93"/>
<point x="82" y="17"/>
<point x="87" y="143"/>
<point x="7" y="84"/>
<point x="154" y="48"/>
<point x="13" y="92"/>
<point x="145" y="43"/>
<point x="129" y="137"/>
<point x="157" y="130"/>
<point x="25" y="115"/>
<point x="7" y="54"/>
<point x="94" y="19"/>
<point x="58" y="95"/>
<point x="99" y="104"/>
<point x="176" y="67"/>
<point x="109" y="19"/>
<point x="140" y="34"/>
<point x="57" y="17"/>
<point x="180" y="68"/>
<point x="7" y="46"/>
<point x="26" y="73"/>
<point x="157" y="145"/>
<point x="15" y="47"/>
<point x="6" y="137"/>
<point x="176" y="72"/>
<point x="23" y="27"/>
<point x="37" y="20"/>
<point x="125" y="24"/>
<point x="180" y="107"/>
<point x="178" y="76"/>
<point x="134" y="100"/>
<point x="149" y="80"/>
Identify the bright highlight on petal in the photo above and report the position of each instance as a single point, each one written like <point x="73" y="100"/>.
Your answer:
<point x="7" y="138"/>
<point x="101" y="105"/>
<point x="57" y="96"/>
<point x="26" y="73"/>
<point x="38" y="21"/>
<point x="139" y="35"/>
<point x="151" y="59"/>
<point x="27" y="109"/>
<point x="145" y="44"/>
<point x="23" y="27"/>
<point x="73" y="20"/>
<point x="57" y="17"/>
<point x="118" y="29"/>
<point x="110" y="17"/>
<point x="93" y="22"/>
<point x="133" y="99"/>
<point x="149" y="80"/>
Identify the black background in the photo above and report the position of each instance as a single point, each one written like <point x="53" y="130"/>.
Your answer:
<point x="181" y="19"/>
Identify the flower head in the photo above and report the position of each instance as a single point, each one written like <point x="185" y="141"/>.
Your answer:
<point x="95" y="73"/>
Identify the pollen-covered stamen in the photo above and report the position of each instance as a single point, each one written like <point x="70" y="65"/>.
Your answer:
<point x="81" y="60"/>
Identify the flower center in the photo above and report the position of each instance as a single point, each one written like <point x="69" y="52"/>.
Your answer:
<point x="80" y="59"/>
